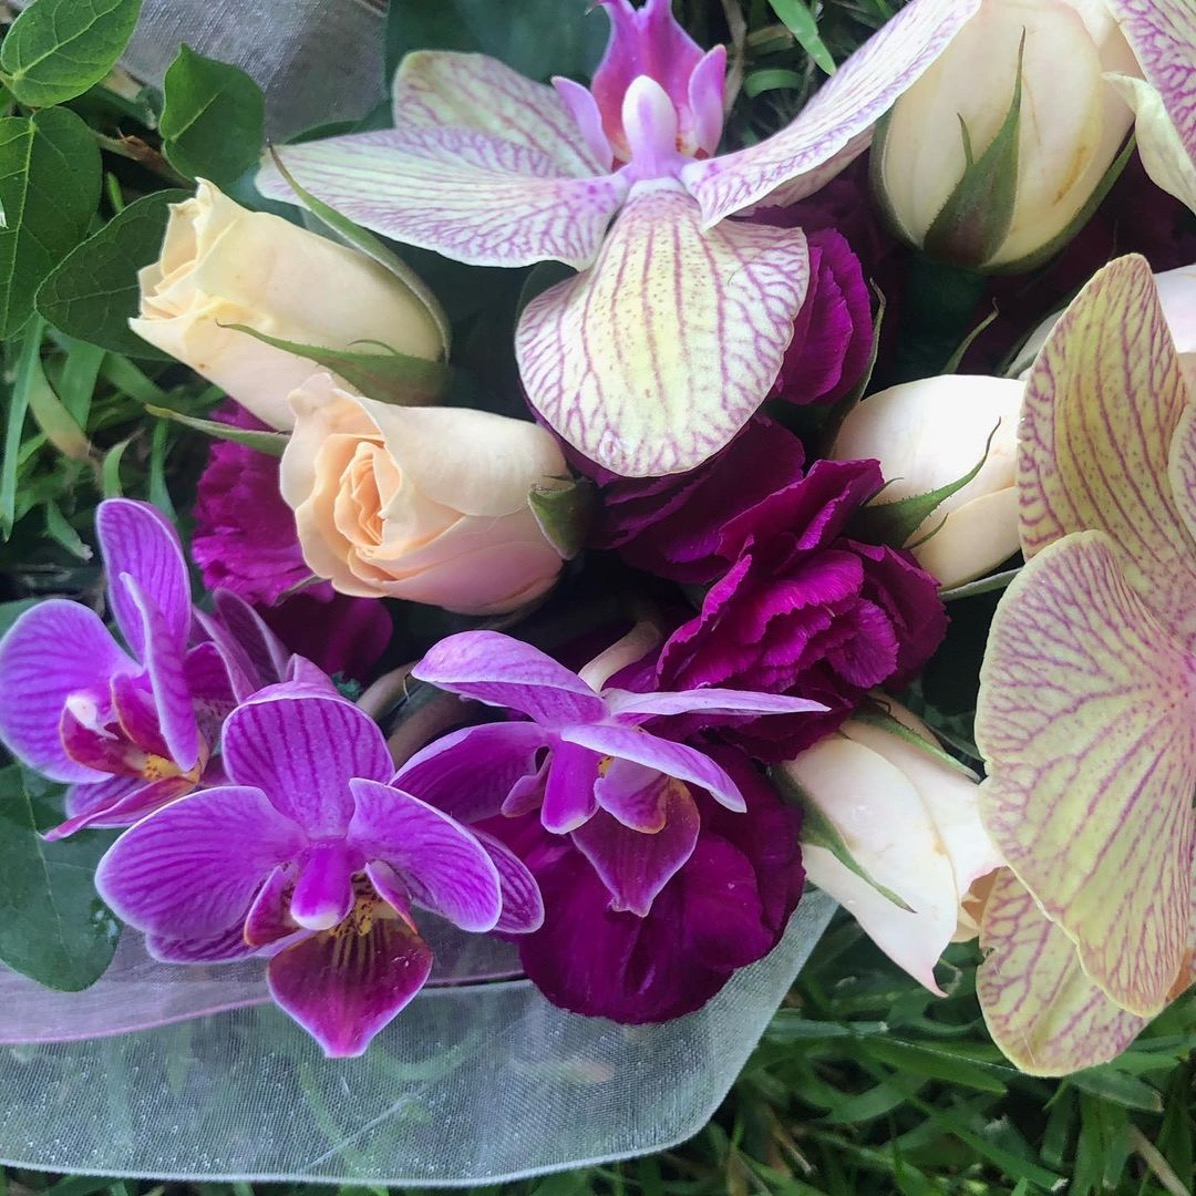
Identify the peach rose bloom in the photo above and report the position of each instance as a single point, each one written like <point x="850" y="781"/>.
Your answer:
<point x="424" y="503"/>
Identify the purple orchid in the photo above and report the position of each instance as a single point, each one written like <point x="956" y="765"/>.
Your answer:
<point x="311" y="856"/>
<point x="585" y="759"/>
<point x="127" y="730"/>
<point x="659" y="351"/>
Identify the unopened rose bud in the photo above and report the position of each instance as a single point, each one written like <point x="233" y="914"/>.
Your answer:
<point x="987" y="175"/>
<point x="931" y="433"/>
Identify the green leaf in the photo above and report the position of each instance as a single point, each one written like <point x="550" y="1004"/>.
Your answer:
<point x="565" y="512"/>
<point x="272" y="443"/>
<point x="213" y="118"/>
<point x="975" y="220"/>
<point x="1110" y="1084"/>
<point x="53" y="927"/>
<point x="49" y="190"/>
<point x="538" y="38"/>
<point x="799" y="20"/>
<point x="360" y="238"/>
<point x="57" y="49"/>
<point x="32" y="388"/>
<point x="93" y="291"/>
<point x="389" y="377"/>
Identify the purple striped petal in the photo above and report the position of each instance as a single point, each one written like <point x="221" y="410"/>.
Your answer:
<point x="269" y="918"/>
<point x="191" y="869"/>
<point x="501" y="671"/>
<point x="635" y="795"/>
<point x="441" y="864"/>
<point x="219" y="948"/>
<point x="137" y="539"/>
<point x="435" y="90"/>
<point x="840" y="115"/>
<point x="164" y="656"/>
<point x="522" y="903"/>
<point x="652" y="360"/>
<point x="53" y="650"/>
<point x="134" y="708"/>
<point x="212" y="694"/>
<point x="303" y="751"/>
<point x="569" y="792"/>
<point x="470" y="773"/>
<point x="475" y="197"/>
<point x="344" y="985"/>
<point x="623" y="703"/>
<point x="673" y="759"/>
<point x="633" y="865"/>
<point x="265" y="650"/>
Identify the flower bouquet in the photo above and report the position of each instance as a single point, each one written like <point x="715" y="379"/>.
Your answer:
<point x="486" y="575"/>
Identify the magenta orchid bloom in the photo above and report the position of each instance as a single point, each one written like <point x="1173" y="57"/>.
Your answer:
<point x="128" y="730"/>
<point x="674" y="331"/>
<point x="584" y="759"/>
<point x="311" y="856"/>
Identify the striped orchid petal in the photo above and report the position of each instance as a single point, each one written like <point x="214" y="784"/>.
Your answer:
<point x="839" y="117"/>
<point x="1087" y="721"/>
<point x="651" y="361"/>
<point x="436" y="89"/>
<point x="1098" y="420"/>
<point x="1047" y="1016"/>
<point x="472" y="196"/>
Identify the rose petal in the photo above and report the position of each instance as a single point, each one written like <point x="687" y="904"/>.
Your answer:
<point x="673" y="759"/>
<point x="344" y="985"/>
<point x="442" y="865"/>
<point x="838" y="118"/>
<point x="53" y="650"/>
<point x="191" y="869"/>
<point x="137" y="539"/>
<point x="303" y="751"/>
<point x="635" y="865"/>
<point x="475" y="197"/>
<point x="609" y="364"/>
<point x="501" y="671"/>
<point x="1087" y="721"/>
<point x="1043" y="1012"/>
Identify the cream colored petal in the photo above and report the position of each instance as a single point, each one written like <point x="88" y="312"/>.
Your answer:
<point x="973" y="540"/>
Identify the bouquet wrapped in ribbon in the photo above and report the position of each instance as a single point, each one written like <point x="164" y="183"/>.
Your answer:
<point x="485" y="575"/>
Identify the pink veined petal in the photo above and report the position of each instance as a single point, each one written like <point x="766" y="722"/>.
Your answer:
<point x="1046" y="1015"/>
<point x="191" y="869"/>
<point x="713" y="700"/>
<point x="265" y="650"/>
<point x="470" y="773"/>
<point x="212" y="694"/>
<point x="53" y="650"/>
<point x="443" y="867"/>
<point x="652" y="360"/>
<point x="269" y="919"/>
<point x="569" y="791"/>
<point x="472" y="196"/>
<point x="502" y="671"/>
<point x="164" y="655"/>
<point x="344" y="985"/>
<point x="219" y="948"/>
<point x="323" y="894"/>
<point x="239" y="669"/>
<point x="584" y="110"/>
<point x="633" y="865"/>
<point x="522" y="903"/>
<point x="303" y="751"/>
<point x="133" y="705"/>
<point x="435" y="89"/>
<point x="1087" y="721"/>
<point x="1102" y="407"/>
<point x="1181" y="468"/>
<point x="673" y="759"/>
<point x="635" y="795"/>
<point x="1162" y="34"/>
<point x="839" y="116"/>
<point x="137" y="539"/>
<point x="118" y="801"/>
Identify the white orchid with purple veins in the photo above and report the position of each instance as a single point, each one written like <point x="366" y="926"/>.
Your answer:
<point x="672" y="334"/>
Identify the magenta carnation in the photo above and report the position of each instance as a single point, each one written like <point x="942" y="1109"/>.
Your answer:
<point x="726" y="907"/>
<point x="805" y="609"/>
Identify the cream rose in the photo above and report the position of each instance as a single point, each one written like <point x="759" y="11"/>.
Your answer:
<point x="222" y="265"/>
<point x="927" y="434"/>
<point x="908" y="817"/>
<point x="424" y="503"/>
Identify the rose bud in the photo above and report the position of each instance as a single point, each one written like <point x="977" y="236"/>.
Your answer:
<point x="424" y="503"/>
<point x="988" y="175"/>
<point x="907" y="815"/>
<point x="222" y="264"/>
<point x="931" y="433"/>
